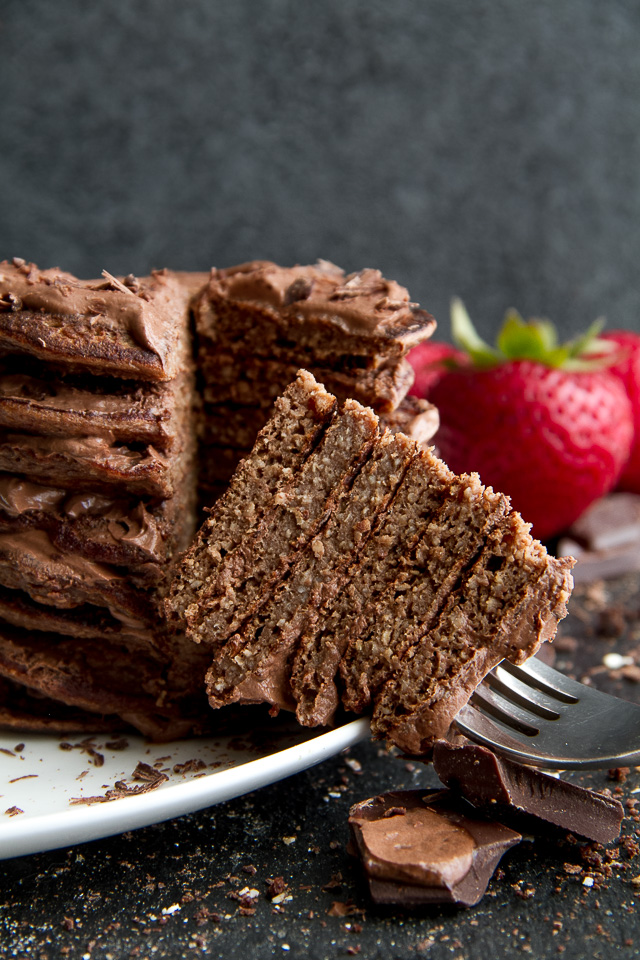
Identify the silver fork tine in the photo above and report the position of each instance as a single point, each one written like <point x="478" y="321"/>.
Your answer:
<point x="536" y="715"/>
<point x="499" y="708"/>
<point x="544" y="678"/>
<point x="538" y="704"/>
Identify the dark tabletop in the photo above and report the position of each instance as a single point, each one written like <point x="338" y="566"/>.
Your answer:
<point x="173" y="889"/>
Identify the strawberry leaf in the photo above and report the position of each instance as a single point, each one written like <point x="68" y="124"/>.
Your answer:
<point x="534" y="340"/>
<point x="590" y="344"/>
<point x="467" y="338"/>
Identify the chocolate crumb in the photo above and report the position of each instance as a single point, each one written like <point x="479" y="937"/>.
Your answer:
<point x="203" y="915"/>
<point x="619" y="774"/>
<point x="340" y="909"/>
<point x="611" y="622"/>
<point x="276" y="886"/>
<point x="190" y="766"/>
<point x="336" y="881"/>
<point x="13" y="811"/>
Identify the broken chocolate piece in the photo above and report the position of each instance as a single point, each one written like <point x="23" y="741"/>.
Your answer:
<point x="610" y="522"/>
<point x="419" y="847"/>
<point x="605" y="540"/>
<point x="504" y="786"/>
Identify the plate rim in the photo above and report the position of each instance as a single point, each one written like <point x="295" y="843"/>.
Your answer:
<point x="83" y="823"/>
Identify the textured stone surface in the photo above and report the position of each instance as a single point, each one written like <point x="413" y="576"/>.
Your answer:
<point x="486" y="149"/>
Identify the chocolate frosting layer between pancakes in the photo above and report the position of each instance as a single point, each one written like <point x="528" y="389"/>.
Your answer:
<point x="359" y="303"/>
<point x="90" y="405"/>
<point x="131" y="327"/>
<point x="98" y="463"/>
<point x="112" y="523"/>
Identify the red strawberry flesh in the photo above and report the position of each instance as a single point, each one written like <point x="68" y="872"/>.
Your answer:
<point x="627" y="369"/>
<point x="553" y="440"/>
<point x="429" y="361"/>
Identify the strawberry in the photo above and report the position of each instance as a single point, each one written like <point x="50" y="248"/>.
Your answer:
<point x="547" y="424"/>
<point x="430" y="361"/>
<point x="626" y="366"/>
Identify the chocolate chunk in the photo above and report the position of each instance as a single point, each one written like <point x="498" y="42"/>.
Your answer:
<point x="605" y="540"/>
<point x="612" y="521"/>
<point x="300" y="289"/>
<point x="419" y="847"/>
<point x="503" y="786"/>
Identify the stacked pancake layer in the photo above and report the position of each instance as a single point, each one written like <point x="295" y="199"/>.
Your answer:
<point x="97" y="496"/>
<point x="345" y="566"/>
<point x="258" y="323"/>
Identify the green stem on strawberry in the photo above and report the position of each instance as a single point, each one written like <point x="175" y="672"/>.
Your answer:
<point x="535" y="340"/>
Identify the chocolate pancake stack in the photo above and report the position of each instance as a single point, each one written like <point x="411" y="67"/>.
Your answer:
<point x="258" y="323"/>
<point x="97" y="496"/>
<point x="347" y="567"/>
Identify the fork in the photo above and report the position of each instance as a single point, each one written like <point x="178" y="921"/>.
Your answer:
<point x="536" y="715"/>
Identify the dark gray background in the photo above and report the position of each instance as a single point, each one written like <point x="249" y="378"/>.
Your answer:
<point x="487" y="148"/>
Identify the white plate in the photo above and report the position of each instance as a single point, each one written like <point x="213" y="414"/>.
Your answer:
<point x="42" y="780"/>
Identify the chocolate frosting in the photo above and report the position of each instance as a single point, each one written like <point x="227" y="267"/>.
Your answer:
<point x="128" y="522"/>
<point x="103" y="458"/>
<point x="148" y="313"/>
<point x="361" y="303"/>
<point x="19" y="496"/>
<point x="133" y="525"/>
<point x="61" y="397"/>
<point x="62" y="294"/>
<point x="36" y="544"/>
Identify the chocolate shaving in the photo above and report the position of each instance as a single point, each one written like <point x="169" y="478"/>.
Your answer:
<point x="85" y="746"/>
<point x="132" y="283"/>
<point x="117" y="284"/>
<point x="151" y="779"/>
<point x="190" y="766"/>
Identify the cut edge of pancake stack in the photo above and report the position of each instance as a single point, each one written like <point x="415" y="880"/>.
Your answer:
<point x="347" y="567"/>
<point x="97" y="497"/>
<point x="258" y="323"/>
